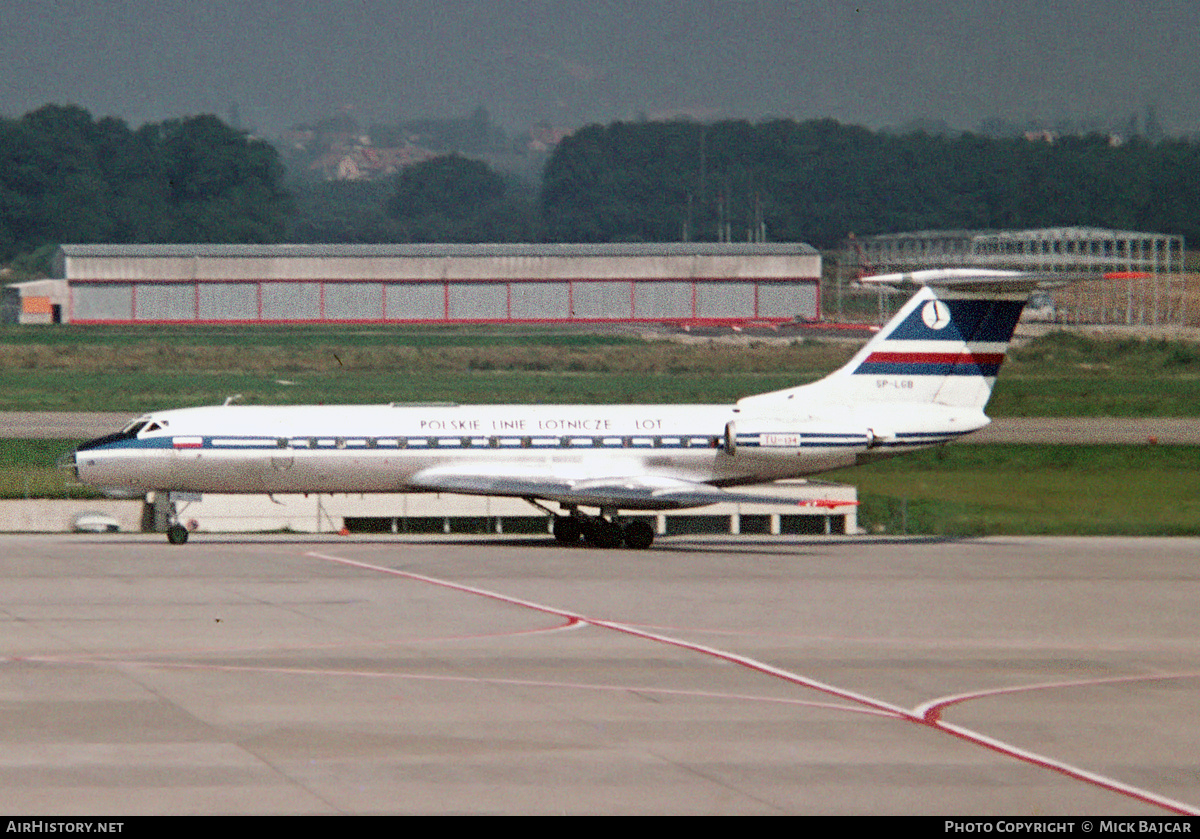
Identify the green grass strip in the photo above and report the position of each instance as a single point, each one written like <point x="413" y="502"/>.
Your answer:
<point x="1028" y="489"/>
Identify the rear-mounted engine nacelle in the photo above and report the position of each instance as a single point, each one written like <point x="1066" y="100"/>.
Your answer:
<point x="775" y="434"/>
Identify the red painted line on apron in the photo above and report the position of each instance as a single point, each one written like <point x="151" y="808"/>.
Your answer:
<point x="927" y="717"/>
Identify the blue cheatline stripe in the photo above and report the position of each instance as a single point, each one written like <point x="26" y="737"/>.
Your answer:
<point x="697" y="442"/>
<point x="926" y="363"/>
<point x="896" y="444"/>
<point x="326" y="442"/>
<point x="131" y="443"/>
<point x="896" y="368"/>
<point x="820" y="440"/>
<point x="931" y="433"/>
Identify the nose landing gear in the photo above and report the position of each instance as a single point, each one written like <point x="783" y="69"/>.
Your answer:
<point x="167" y="515"/>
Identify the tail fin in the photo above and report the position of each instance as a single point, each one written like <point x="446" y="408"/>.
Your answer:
<point x="944" y="347"/>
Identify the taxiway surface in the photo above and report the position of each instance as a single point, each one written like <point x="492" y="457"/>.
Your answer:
<point x="279" y="674"/>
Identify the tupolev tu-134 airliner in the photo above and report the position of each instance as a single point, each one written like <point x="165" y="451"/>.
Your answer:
<point x="921" y="381"/>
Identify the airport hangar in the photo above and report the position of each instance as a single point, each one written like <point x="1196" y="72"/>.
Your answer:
<point x="681" y="283"/>
<point x="672" y="283"/>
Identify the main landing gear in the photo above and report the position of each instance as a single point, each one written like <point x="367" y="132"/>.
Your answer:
<point x="601" y="532"/>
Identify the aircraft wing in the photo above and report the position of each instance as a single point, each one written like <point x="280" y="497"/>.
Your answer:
<point x="634" y="492"/>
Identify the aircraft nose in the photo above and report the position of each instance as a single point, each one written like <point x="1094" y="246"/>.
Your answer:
<point x="100" y="442"/>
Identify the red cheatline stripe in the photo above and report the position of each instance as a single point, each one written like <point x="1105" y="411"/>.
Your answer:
<point x="937" y="357"/>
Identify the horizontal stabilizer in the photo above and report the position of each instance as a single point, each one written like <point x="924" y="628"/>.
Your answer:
<point x="969" y="279"/>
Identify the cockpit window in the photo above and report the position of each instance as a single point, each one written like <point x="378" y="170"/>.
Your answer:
<point x="153" y="427"/>
<point x="133" y="428"/>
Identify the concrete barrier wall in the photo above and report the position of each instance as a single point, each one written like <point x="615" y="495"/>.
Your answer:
<point x="327" y="513"/>
<point x="46" y="516"/>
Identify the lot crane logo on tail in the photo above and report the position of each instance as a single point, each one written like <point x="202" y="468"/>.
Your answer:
<point x="936" y="314"/>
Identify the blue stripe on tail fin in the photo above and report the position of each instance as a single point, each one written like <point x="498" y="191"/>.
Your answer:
<point x="971" y="319"/>
<point x="944" y="347"/>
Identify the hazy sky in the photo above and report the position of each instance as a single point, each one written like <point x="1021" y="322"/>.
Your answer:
<point x="567" y="62"/>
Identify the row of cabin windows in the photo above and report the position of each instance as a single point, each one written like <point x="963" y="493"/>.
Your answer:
<point x="501" y="442"/>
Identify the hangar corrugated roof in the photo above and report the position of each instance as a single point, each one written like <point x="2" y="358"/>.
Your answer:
<point x="442" y="250"/>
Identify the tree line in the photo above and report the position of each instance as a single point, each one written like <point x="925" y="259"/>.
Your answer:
<point x="785" y="181"/>
<point x="66" y="177"/>
<point x="818" y="181"/>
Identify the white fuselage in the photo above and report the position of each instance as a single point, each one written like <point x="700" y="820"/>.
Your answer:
<point x="249" y="449"/>
<point x="921" y="381"/>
